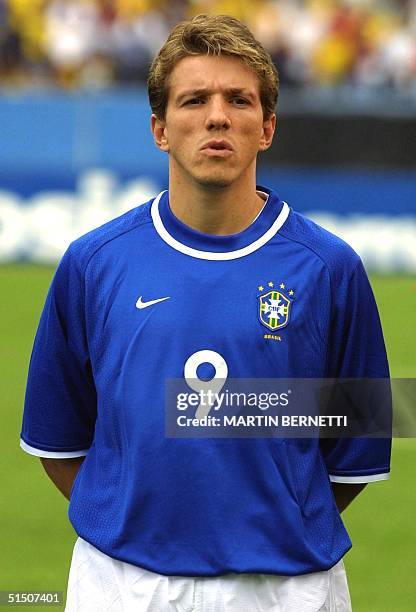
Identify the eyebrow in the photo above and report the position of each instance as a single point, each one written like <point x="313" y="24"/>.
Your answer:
<point x="233" y="91"/>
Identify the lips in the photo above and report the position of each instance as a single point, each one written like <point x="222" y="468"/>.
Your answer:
<point x="218" y="145"/>
<point x="217" y="148"/>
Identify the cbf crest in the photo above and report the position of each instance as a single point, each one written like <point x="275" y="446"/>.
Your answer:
<point x="274" y="306"/>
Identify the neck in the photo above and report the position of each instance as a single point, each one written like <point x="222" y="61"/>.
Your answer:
<point x="219" y="210"/>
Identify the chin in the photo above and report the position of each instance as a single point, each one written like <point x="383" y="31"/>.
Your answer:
<point x="214" y="182"/>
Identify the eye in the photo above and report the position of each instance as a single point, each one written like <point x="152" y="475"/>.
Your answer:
<point x="194" y="102"/>
<point x="239" y="101"/>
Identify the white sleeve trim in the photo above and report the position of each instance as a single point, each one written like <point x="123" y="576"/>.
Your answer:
<point x="37" y="452"/>
<point x="359" y="479"/>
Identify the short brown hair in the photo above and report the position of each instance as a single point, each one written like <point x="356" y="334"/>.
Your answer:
<point x="212" y="35"/>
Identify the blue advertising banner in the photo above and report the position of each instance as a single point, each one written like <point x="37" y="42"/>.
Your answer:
<point x="71" y="162"/>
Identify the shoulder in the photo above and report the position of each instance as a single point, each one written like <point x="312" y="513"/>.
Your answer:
<point x="336" y="255"/>
<point x="83" y="249"/>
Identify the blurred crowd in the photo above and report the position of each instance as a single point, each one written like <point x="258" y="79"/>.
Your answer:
<point x="97" y="44"/>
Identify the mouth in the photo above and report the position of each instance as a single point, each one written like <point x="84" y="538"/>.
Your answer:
<point x="217" y="148"/>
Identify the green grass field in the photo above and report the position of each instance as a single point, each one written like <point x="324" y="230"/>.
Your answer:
<point x="37" y="539"/>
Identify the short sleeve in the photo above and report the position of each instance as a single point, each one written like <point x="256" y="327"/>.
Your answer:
<point x="356" y="350"/>
<point x="60" y="403"/>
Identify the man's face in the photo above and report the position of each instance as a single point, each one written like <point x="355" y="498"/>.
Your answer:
<point x="214" y="124"/>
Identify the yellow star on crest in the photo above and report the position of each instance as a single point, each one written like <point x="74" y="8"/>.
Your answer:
<point x="261" y="288"/>
<point x="270" y="284"/>
<point x="282" y="285"/>
<point x="291" y="292"/>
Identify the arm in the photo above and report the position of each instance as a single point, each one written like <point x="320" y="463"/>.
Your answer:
<point x="356" y="351"/>
<point x="62" y="472"/>
<point x="61" y="399"/>
<point x="345" y="493"/>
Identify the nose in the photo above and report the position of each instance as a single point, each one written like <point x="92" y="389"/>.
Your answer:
<point x="217" y="116"/>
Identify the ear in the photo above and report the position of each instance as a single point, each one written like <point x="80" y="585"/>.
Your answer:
<point x="269" y="127"/>
<point x="160" y="134"/>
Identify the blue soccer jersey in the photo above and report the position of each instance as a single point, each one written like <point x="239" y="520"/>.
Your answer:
<point x="130" y="304"/>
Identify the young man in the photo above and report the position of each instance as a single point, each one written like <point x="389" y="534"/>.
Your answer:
<point x="211" y="276"/>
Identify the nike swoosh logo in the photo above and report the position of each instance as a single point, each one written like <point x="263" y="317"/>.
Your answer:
<point x="140" y="304"/>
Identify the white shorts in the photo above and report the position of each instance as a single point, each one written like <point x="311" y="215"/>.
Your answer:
<point x="98" y="583"/>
